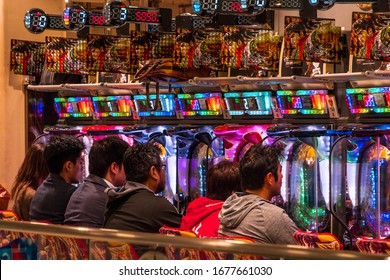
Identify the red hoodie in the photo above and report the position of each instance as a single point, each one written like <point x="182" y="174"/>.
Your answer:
<point x="202" y="217"/>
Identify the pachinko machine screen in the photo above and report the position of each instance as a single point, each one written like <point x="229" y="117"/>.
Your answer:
<point x="248" y="103"/>
<point x="368" y="100"/>
<point x="76" y="107"/>
<point x="305" y="102"/>
<point x="112" y="106"/>
<point x="163" y="106"/>
<point x="201" y="104"/>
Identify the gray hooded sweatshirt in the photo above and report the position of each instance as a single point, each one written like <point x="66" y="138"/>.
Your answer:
<point x="249" y="215"/>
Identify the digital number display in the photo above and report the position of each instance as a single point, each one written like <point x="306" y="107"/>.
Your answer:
<point x="115" y="13"/>
<point x="35" y="21"/>
<point x="143" y="15"/>
<point x="205" y="7"/>
<point x="96" y="19"/>
<point x="210" y="7"/>
<point x="250" y="103"/>
<point x="255" y="6"/>
<point x="75" y="17"/>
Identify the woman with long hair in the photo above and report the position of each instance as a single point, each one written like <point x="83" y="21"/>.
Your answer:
<point x="30" y="176"/>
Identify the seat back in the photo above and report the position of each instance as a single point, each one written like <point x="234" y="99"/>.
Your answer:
<point x="104" y="250"/>
<point x="322" y="240"/>
<point x="373" y="246"/>
<point x="19" y="249"/>
<point x="213" y="255"/>
<point x="9" y="215"/>
<point x="174" y="253"/>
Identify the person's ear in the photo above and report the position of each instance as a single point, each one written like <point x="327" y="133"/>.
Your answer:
<point x="114" y="168"/>
<point x="67" y="165"/>
<point x="269" y="178"/>
<point x="154" y="172"/>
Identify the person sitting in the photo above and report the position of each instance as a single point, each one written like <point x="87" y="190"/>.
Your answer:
<point x="64" y="156"/>
<point x="250" y="213"/>
<point x="136" y="207"/>
<point x="87" y="204"/>
<point x="30" y="175"/>
<point x="202" y="214"/>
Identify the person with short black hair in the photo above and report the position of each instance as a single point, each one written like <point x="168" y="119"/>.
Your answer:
<point x="250" y="213"/>
<point x="202" y="214"/>
<point x="64" y="156"/>
<point x="136" y="207"/>
<point x="87" y="204"/>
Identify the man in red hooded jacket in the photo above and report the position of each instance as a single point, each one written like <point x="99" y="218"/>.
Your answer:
<point x="202" y="213"/>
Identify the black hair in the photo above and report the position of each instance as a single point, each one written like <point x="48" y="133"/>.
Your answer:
<point x="222" y="180"/>
<point x="104" y="152"/>
<point x="61" y="149"/>
<point x="138" y="160"/>
<point x="257" y="162"/>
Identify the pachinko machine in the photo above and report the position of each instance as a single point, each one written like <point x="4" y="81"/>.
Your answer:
<point x="361" y="200"/>
<point x="305" y="186"/>
<point x="197" y="150"/>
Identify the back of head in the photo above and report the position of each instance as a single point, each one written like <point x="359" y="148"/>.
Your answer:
<point x="105" y="152"/>
<point x="33" y="169"/>
<point x="222" y="180"/>
<point x="257" y="162"/>
<point x="138" y="160"/>
<point x="61" y="149"/>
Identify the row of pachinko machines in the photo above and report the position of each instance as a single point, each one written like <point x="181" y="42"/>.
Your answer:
<point x="334" y="180"/>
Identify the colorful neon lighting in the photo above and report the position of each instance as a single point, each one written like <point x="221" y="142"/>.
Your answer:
<point x="114" y="106"/>
<point x="202" y="104"/>
<point x="167" y="105"/>
<point x="307" y="102"/>
<point x="77" y="107"/>
<point x="369" y="100"/>
<point x="250" y="103"/>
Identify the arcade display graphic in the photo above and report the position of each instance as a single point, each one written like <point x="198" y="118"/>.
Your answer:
<point x="369" y="41"/>
<point x="108" y="54"/>
<point x="310" y="42"/>
<point x="27" y="58"/>
<point x="251" y="48"/>
<point x="141" y="48"/>
<point x="66" y="55"/>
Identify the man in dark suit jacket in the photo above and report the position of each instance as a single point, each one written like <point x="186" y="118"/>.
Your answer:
<point x="87" y="205"/>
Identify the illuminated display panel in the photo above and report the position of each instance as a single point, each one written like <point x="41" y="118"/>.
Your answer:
<point x="112" y="106"/>
<point x="307" y="102"/>
<point x="136" y="14"/>
<point x="248" y="103"/>
<point x="368" y="100"/>
<point x="115" y="13"/>
<point x="76" y="107"/>
<point x="35" y="21"/>
<point x="201" y="104"/>
<point x="145" y="107"/>
<point x="75" y="17"/>
<point x="251" y="7"/>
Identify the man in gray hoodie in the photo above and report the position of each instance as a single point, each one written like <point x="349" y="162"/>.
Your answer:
<point x="250" y="213"/>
